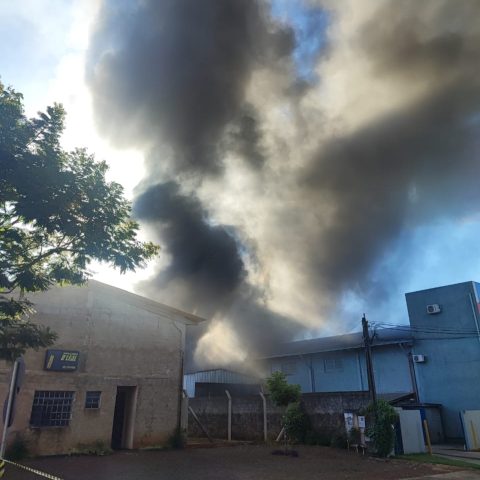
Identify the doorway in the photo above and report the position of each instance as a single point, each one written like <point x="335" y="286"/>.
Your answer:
<point x="123" y="418"/>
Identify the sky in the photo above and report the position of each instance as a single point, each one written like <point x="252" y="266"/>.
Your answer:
<point x="299" y="162"/>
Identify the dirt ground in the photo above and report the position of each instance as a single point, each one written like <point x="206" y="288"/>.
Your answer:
<point x="242" y="462"/>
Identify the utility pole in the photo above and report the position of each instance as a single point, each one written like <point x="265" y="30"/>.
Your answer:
<point x="367" y="340"/>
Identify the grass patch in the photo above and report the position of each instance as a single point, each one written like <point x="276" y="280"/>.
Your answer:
<point x="98" y="448"/>
<point x="436" y="460"/>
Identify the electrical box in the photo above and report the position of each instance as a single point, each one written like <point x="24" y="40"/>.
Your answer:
<point x="419" y="358"/>
<point x="433" y="309"/>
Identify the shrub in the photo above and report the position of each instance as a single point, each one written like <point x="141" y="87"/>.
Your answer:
<point x="296" y="422"/>
<point x="281" y="392"/>
<point x="382" y="431"/>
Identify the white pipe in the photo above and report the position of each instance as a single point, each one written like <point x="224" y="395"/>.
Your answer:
<point x="281" y="434"/>
<point x="13" y="381"/>
<point x="264" y="400"/>
<point x="229" y="415"/>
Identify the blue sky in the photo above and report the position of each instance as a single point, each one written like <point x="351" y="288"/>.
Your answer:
<point x="309" y="23"/>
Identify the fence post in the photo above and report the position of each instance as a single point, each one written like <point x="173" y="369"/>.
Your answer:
<point x="229" y="415"/>
<point x="265" y="432"/>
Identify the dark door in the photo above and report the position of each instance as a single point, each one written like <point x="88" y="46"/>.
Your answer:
<point x="124" y="417"/>
<point x="119" y="418"/>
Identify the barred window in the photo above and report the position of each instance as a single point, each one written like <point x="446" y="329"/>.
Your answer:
<point x="92" y="400"/>
<point x="51" y="409"/>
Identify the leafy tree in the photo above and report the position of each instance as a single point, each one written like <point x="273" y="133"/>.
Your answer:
<point x="281" y="392"/>
<point x="297" y="423"/>
<point x="285" y="395"/>
<point x="382" y="430"/>
<point x="58" y="213"/>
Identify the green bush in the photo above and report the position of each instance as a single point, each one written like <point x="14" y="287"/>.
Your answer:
<point x="281" y="392"/>
<point x="296" y="422"/>
<point x="383" y="417"/>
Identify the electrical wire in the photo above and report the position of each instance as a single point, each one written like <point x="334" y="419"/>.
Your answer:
<point x="408" y="328"/>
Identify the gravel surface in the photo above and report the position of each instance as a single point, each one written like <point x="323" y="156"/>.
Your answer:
<point x="242" y="462"/>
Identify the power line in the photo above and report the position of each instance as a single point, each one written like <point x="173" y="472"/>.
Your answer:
<point x="444" y="331"/>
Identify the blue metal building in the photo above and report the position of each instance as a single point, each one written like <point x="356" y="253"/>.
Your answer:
<point x="436" y="358"/>
<point x="445" y="325"/>
<point x="336" y="364"/>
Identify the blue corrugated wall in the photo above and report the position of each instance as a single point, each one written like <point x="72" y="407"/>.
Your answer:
<point x="451" y="374"/>
<point x="345" y="370"/>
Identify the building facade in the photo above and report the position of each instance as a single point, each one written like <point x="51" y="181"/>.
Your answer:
<point x="436" y="357"/>
<point x="445" y="324"/>
<point x="113" y="377"/>
<point x="220" y="377"/>
<point x="337" y="364"/>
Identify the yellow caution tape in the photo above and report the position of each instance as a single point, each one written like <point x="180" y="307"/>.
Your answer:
<point x="28" y="469"/>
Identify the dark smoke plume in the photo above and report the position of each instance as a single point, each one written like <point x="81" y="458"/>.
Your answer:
<point x="273" y="196"/>
<point x="170" y="77"/>
<point x="206" y="258"/>
<point x="175" y="71"/>
<point x="413" y="164"/>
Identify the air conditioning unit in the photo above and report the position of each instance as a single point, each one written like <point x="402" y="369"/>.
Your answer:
<point x="419" y="358"/>
<point x="433" y="309"/>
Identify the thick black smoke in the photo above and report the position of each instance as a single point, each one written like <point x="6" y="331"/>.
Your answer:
<point x="170" y="77"/>
<point x="174" y="72"/>
<point x="269" y="200"/>
<point x="413" y="164"/>
<point x="206" y="261"/>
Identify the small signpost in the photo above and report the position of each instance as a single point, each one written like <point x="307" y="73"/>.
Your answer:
<point x="16" y="381"/>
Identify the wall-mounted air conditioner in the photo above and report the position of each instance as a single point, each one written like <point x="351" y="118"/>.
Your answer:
<point x="419" y="358"/>
<point x="433" y="309"/>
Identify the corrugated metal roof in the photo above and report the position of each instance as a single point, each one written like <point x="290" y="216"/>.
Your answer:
<point x="383" y="336"/>
<point x="218" y="375"/>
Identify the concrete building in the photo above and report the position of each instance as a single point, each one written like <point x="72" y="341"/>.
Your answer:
<point x="114" y="376"/>
<point x="445" y="325"/>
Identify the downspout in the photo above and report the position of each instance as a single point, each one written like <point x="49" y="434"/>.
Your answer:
<point x="309" y="365"/>
<point x="474" y="315"/>
<point x="229" y="425"/>
<point x="180" y="386"/>
<point x="413" y="375"/>
<point x="360" y="373"/>
<point x="265" y="432"/>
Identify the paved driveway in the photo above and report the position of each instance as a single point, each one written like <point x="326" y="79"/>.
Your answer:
<point x="244" y="462"/>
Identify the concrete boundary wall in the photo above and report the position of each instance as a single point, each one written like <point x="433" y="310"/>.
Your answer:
<point x="324" y="409"/>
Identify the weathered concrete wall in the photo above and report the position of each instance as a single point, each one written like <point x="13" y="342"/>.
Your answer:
<point x="324" y="409"/>
<point x="123" y="341"/>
